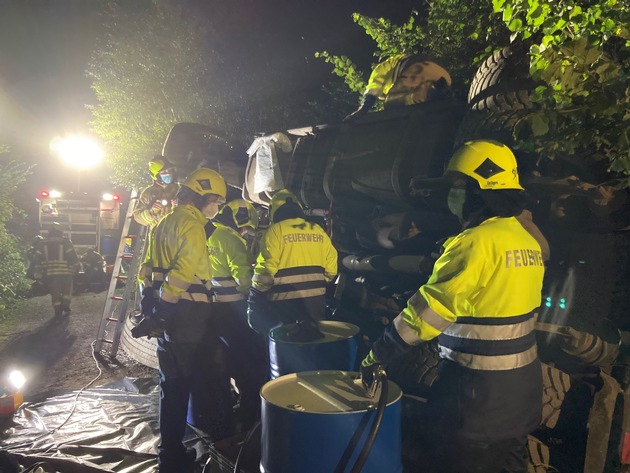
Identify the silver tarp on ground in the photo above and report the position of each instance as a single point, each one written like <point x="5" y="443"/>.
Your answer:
<point x="112" y="428"/>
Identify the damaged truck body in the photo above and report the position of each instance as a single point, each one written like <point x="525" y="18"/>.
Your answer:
<point x="375" y="185"/>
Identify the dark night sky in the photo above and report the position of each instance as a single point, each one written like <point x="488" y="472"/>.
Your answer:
<point x="45" y="46"/>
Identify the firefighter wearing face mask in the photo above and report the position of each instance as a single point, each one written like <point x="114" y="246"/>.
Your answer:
<point x="296" y="261"/>
<point x="156" y="200"/>
<point x="480" y="302"/>
<point x="232" y="267"/>
<point x="177" y="270"/>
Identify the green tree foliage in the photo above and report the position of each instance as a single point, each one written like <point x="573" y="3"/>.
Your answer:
<point x="455" y="33"/>
<point x="13" y="282"/>
<point x="580" y="54"/>
<point x="152" y="70"/>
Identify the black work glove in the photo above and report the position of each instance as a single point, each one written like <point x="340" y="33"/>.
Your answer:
<point x="148" y="302"/>
<point x="148" y="327"/>
<point x="153" y="325"/>
<point x="366" y="104"/>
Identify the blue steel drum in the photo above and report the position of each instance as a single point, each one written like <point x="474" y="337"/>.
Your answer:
<point x="336" y="351"/>
<point x="311" y="419"/>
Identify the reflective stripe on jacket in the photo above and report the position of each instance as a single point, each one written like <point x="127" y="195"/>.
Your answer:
<point x="231" y="264"/>
<point x="57" y="257"/>
<point x="482" y="296"/>
<point x="296" y="260"/>
<point x="177" y="257"/>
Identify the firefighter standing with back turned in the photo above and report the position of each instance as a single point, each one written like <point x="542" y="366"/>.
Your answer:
<point x="232" y="267"/>
<point x="56" y="264"/>
<point x="177" y="268"/>
<point x="480" y="303"/>
<point x="296" y="261"/>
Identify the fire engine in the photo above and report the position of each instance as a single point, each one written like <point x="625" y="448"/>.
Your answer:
<point x="89" y="220"/>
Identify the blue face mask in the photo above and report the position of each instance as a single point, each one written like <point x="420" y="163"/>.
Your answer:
<point x="455" y="200"/>
<point x="167" y="178"/>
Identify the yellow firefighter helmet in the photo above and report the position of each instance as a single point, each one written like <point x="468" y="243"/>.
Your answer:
<point x="281" y="198"/>
<point x="157" y="164"/>
<point x="490" y="163"/>
<point x="204" y="181"/>
<point x="241" y="212"/>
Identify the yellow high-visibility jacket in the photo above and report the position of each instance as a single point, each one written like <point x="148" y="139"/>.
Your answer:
<point x="481" y="298"/>
<point x="155" y="192"/>
<point x="231" y="264"/>
<point x="56" y="256"/>
<point x="177" y="264"/>
<point x="396" y="80"/>
<point x="296" y="260"/>
<point x="384" y="75"/>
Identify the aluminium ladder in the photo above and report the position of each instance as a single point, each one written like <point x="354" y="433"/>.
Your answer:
<point x="115" y="310"/>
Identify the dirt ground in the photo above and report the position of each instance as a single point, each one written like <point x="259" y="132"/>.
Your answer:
<point x="55" y="354"/>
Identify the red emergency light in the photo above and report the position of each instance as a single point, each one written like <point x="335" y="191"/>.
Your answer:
<point x="44" y="194"/>
<point x="108" y="196"/>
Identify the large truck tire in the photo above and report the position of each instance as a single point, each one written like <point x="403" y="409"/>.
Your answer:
<point x="556" y="384"/>
<point x="502" y="82"/>
<point x="499" y="97"/>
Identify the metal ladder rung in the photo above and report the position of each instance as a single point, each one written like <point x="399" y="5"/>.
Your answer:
<point x="132" y="253"/>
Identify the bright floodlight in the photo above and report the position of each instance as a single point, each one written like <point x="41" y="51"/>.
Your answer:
<point x="79" y="152"/>
<point x="17" y="379"/>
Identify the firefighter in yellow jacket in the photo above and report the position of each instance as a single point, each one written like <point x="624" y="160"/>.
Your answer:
<point x="156" y="201"/>
<point x="404" y="79"/>
<point x="56" y="263"/>
<point x="480" y="302"/>
<point x="232" y="268"/>
<point x="177" y="271"/>
<point x="296" y="261"/>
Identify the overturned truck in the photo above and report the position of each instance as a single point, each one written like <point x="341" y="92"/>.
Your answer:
<point x="375" y="185"/>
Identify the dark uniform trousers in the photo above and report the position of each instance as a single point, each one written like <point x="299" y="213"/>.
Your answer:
<point x="246" y="358"/>
<point x="60" y="288"/>
<point x="265" y="315"/>
<point x="465" y="413"/>
<point x="193" y="383"/>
